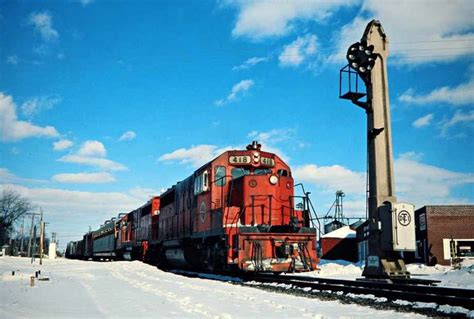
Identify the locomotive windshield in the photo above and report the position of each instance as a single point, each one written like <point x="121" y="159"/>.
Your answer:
<point x="262" y="171"/>
<point x="239" y="172"/>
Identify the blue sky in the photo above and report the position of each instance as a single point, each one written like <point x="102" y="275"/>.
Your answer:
<point x="104" y="103"/>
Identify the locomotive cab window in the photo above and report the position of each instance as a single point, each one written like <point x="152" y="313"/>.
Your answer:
<point x="282" y="172"/>
<point x="219" y="176"/>
<point x="239" y="172"/>
<point x="201" y="183"/>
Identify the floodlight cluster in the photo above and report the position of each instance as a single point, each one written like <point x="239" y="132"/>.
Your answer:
<point x="361" y="58"/>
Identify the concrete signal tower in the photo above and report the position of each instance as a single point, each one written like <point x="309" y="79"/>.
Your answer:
<point x="391" y="225"/>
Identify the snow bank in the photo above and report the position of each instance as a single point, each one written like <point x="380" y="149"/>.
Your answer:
<point x="449" y="277"/>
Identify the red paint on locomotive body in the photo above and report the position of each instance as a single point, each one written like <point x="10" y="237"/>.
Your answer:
<point x="234" y="213"/>
<point x="237" y="211"/>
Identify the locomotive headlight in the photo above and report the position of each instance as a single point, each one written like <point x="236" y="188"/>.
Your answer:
<point x="273" y="180"/>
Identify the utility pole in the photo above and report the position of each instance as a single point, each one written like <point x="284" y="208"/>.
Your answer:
<point x="34" y="245"/>
<point x="31" y="234"/>
<point x="22" y="234"/>
<point x="41" y="236"/>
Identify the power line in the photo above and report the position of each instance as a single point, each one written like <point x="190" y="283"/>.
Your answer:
<point x="408" y="57"/>
<point x="435" y="41"/>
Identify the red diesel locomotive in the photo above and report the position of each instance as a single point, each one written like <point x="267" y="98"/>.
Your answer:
<point x="236" y="212"/>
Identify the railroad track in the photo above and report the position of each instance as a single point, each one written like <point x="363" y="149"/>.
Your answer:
<point x="412" y="293"/>
<point x="341" y="289"/>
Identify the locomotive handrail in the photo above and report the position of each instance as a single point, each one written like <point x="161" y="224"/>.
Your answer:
<point x="312" y="208"/>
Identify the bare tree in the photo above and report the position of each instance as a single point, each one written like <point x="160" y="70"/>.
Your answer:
<point x="12" y="207"/>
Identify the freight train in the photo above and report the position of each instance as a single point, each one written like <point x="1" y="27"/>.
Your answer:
<point x="238" y="212"/>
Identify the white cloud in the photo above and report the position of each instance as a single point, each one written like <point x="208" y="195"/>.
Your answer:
<point x="128" y="136"/>
<point x="423" y="121"/>
<point x="331" y="178"/>
<point x="92" y="149"/>
<point x="84" y="178"/>
<point x="12" y="59"/>
<point x="424" y="184"/>
<point x="102" y="163"/>
<point x="419" y="31"/>
<point x="143" y="193"/>
<point x="299" y="51"/>
<point x="92" y="153"/>
<point x="71" y="212"/>
<point x="251" y="62"/>
<point x="270" y="140"/>
<point x="195" y="155"/>
<point x="261" y="19"/>
<point x="237" y="90"/>
<point x="462" y="94"/>
<point x="38" y="104"/>
<point x="67" y="203"/>
<point x="8" y="177"/>
<point x="11" y="129"/>
<point x="43" y="24"/>
<point x="62" y="145"/>
<point x="458" y="118"/>
<point x="201" y="154"/>
<point x="416" y="182"/>
<point x="272" y="136"/>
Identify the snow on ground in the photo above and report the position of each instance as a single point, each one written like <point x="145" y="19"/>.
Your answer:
<point x="461" y="278"/>
<point x="88" y="289"/>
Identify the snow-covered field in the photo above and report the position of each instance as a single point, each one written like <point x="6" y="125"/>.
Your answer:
<point x="134" y="289"/>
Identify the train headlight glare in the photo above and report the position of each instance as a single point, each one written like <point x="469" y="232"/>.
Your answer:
<point x="273" y="180"/>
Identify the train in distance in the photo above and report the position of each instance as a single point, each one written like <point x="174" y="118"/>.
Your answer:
<point x="238" y="212"/>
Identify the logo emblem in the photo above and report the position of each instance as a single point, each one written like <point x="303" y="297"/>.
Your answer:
<point x="404" y="218"/>
<point x="202" y="211"/>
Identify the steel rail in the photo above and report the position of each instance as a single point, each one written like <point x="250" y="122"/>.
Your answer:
<point x="456" y="292"/>
<point x="439" y="295"/>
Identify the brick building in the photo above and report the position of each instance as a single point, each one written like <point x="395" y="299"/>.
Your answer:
<point x="436" y="226"/>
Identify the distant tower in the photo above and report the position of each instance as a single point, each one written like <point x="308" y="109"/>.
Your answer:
<point x="338" y="207"/>
<point x="338" y="218"/>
